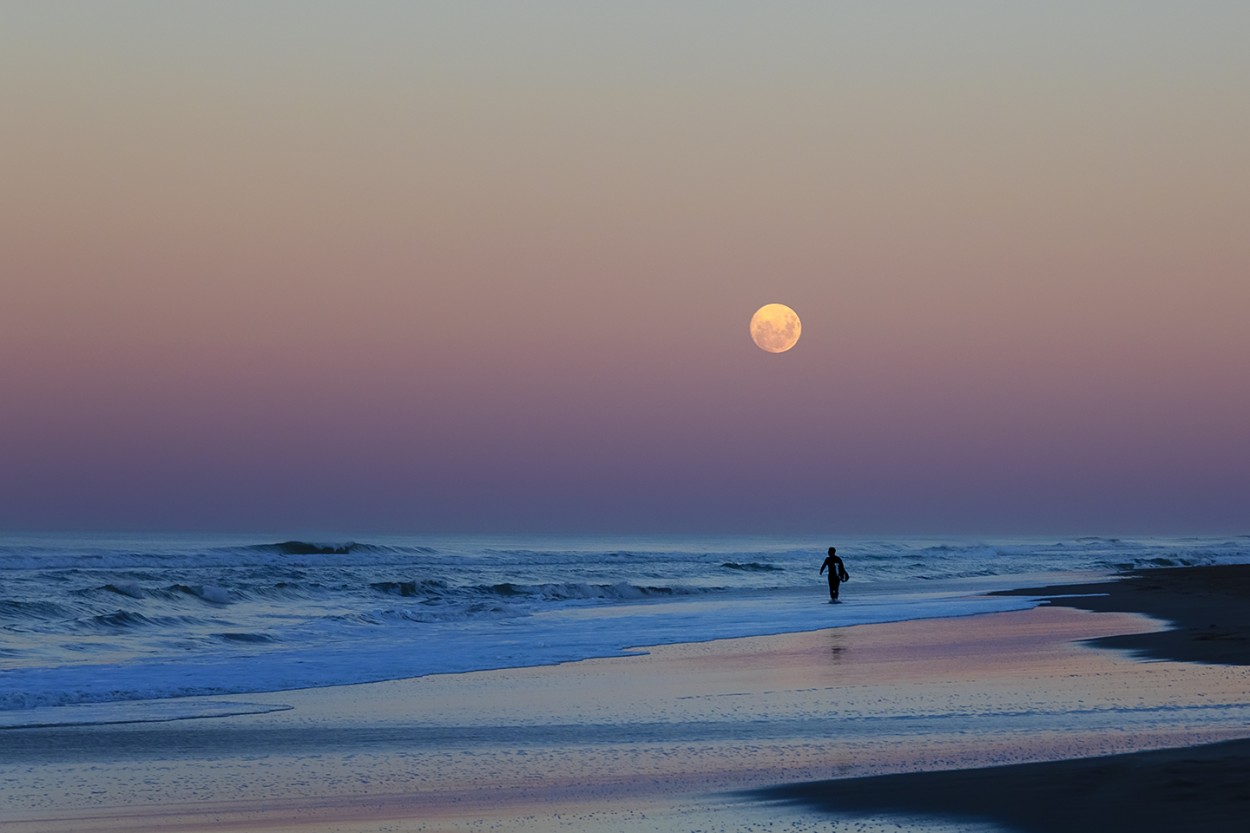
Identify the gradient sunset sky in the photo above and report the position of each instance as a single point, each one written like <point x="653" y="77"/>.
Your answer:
<point x="465" y="266"/>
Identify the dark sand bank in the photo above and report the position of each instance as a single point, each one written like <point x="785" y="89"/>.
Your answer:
<point x="1207" y="608"/>
<point x="1194" y="788"/>
<point x="1204" y="788"/>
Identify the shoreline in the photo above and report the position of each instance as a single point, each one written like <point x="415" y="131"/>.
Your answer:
<point x="671" y="735"/>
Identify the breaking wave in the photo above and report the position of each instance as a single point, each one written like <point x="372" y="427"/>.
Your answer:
<point x="349" y="548"/>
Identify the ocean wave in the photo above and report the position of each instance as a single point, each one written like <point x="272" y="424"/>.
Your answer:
<point x="437" y="589"/>
<point x="306" y="548"/>
<point x="17" y="610"/>
<point x="210" y="593"/>
<point x="752" y="566"/>
<point x="427" y="616"/>
<point x="570" y="591"/>
<point x="293" y="590"/>
<point x="119" y="620"/>
<point x="130" y="589"/>
<point x="426" y="588"/>
<point x="254" y="638"/>
<point x="1146" y="562"/>
<point x="349" y="548"/>
<point x="127" y="620"/>
<point x="70" y="561"/>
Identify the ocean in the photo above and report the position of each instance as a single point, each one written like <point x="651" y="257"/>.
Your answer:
<point x="111" y="628"/>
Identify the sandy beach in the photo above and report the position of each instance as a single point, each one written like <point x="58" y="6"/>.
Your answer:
<point x="1005" y="719"/>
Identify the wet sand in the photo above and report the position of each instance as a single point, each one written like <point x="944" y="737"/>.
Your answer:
<point x="682" y="738"/>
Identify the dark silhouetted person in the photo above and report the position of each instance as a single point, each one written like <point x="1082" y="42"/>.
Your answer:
<point x="837" y="572"/>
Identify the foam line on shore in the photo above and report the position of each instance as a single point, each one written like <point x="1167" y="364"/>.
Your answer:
<point x="148" y="711"/>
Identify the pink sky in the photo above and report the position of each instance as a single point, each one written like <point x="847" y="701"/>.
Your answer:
<point x="304" y="267"/>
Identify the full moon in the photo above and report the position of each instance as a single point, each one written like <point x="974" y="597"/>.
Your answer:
<point x="775" y="328"/>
